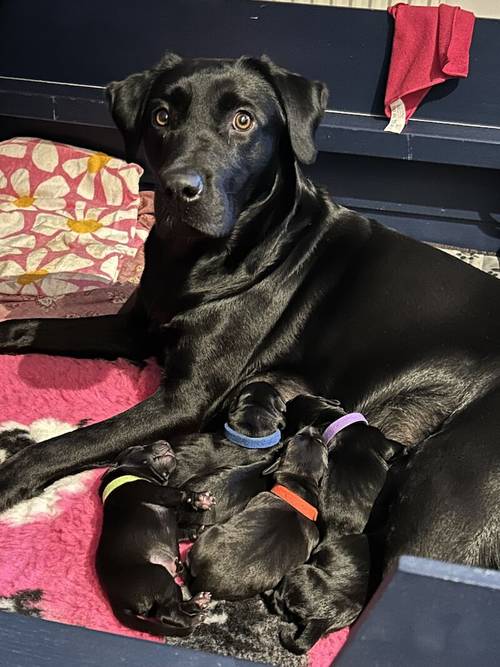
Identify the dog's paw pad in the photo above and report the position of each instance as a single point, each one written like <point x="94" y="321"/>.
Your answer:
<point x="202" y="600"/>
<point x="203" y="501"/>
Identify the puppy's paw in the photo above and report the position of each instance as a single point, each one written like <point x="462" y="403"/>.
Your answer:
<point x="202" y="501"/>
<point x="202" y="600"/>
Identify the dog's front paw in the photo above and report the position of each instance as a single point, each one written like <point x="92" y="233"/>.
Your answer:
<point x="202" y="501"/>
<point x="17" y="335"/>
<point x="13" y="440"/>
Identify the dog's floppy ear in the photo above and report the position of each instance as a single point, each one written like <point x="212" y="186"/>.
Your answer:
<point x="127" y="100"/>
<point x="303" y="102"/>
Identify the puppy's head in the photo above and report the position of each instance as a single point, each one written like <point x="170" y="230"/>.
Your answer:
<point x="213" y="133"/>
<point x="257" y="411"/>
<point x="156" y="460"/>
<point x="308" y="410"/>
<point x="305" y="456"/>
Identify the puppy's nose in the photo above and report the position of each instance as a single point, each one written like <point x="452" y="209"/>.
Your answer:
<point x="186" y="185"/>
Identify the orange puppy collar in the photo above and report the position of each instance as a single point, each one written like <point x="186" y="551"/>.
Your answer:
<point x="297" y="502"/>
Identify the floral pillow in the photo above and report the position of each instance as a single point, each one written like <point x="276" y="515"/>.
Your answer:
<point x="68" y="218"/>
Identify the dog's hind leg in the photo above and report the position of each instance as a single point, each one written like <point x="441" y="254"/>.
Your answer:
<point x="446" y="498"/>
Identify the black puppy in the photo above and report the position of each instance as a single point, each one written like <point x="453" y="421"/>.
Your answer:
<point x="137" y="558"/>
<point x="233" y="473"/>
<point x="329" y="592"/>
<point x="276" y="531"/>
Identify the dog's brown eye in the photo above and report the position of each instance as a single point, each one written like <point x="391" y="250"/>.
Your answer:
<point x="160" y="117"/>
<point x="242" y="121"/>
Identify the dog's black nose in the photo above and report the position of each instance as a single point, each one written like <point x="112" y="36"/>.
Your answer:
<point x="187" y="185"/>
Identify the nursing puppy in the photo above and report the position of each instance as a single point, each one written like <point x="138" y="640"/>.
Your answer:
<point x="234" y="473"/>
<point x="137" y="557"/>
<point x="252" y="551"/>
<point x="329" y="592"/>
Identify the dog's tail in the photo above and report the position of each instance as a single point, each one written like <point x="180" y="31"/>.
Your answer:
<point x="300" y="640"/>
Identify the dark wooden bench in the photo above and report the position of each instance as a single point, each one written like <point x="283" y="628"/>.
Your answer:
<point x="425" y="614"/>
<point x="429" y="614"/>
<point x="32" y="642"/>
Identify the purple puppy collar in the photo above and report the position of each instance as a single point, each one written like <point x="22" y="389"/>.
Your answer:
<point x="339" y="424"/>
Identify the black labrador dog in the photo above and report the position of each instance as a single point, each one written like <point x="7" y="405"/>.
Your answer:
<point x="329" y="592"/>
<point x="137" y="558"/>
<point x="277" y="531"/>
<point x="252" y="272"/>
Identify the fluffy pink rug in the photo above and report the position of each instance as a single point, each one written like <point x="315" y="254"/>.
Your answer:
<point x="48" y="543"/>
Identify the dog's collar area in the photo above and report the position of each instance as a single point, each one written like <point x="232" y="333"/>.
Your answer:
<point x="297" y="502"/>
<point x="120" y="481"/>
<point x="339" y="424"/>
<point x="249" y="442"/>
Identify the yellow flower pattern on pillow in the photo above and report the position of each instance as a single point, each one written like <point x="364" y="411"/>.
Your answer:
<point x="67" y="217"/>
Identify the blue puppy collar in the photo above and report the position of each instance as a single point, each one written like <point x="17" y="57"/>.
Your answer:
<point x="252" y="443"/>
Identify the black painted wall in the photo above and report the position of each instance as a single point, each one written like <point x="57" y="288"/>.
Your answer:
<point x="93" y="42"/>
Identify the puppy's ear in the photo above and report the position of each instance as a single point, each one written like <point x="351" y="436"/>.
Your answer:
<point x="303" y="102"/>
<point x="127" y="100"/>
<point x="273" y="467"/>
<point x="390" y="449"/>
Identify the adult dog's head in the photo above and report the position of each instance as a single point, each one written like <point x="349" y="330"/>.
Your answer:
<point x="216" y="133"/>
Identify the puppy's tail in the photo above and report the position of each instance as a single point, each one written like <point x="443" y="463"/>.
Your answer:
<point x="300" y="640"/>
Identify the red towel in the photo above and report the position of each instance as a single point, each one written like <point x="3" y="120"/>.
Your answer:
<point x="431" y="44"/>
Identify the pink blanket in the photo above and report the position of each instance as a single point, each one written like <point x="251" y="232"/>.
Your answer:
<point x="48" y="543"/>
